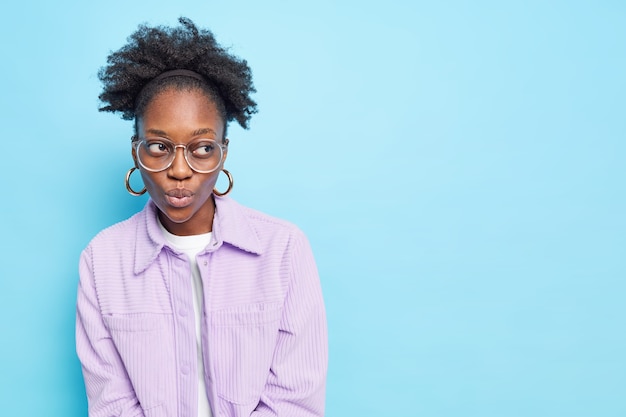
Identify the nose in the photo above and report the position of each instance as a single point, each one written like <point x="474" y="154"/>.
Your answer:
<point x="180" y="169"/>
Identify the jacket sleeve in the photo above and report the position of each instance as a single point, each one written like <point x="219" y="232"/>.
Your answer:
<point x="296" y="386"/>
<point x="109" y="390"/>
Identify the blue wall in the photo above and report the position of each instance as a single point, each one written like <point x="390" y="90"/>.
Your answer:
<point x="458" y="166"/>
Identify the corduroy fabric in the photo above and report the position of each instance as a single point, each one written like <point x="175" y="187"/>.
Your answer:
<point x="264" y="326"/>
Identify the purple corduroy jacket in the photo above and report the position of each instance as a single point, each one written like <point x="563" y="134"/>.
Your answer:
<point x="264" y="334"/>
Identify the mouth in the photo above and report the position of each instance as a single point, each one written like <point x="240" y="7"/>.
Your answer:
<point x="179" y="197"/>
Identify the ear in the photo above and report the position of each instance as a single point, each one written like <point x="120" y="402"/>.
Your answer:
<point x="133" y="151"/>
<point x="226" y="140"/>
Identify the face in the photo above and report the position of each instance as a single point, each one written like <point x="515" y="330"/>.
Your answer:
<point x="183" y="196"/>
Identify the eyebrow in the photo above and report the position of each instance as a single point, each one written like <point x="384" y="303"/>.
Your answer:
<point x="197" y="132"/>
<point x="156" y="132"/>
<point x="203" y="131"/>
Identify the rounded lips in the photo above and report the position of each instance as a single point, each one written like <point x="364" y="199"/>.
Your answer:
<point x="179" y="193"/>
<point x="179" y="197"/>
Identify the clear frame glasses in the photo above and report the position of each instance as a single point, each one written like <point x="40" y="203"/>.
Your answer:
<point x="157" y="154"/>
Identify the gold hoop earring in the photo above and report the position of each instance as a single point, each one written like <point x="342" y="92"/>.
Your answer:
<point x="230" y="185"/>
<point x="129" y="188"/>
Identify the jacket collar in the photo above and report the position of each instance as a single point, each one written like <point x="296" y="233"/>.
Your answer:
<point x="231" y="226"/>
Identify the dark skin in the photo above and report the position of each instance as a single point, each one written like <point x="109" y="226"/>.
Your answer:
<point x="183" y="196"/>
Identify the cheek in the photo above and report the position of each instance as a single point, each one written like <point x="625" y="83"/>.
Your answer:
<point x="150" y="181"/>
<point x="219" y="180"/>
<point x="208" y="182"/>
<point x="147" y="177"/>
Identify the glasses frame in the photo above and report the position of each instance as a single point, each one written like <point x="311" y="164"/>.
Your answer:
<point x="137" y="142"/>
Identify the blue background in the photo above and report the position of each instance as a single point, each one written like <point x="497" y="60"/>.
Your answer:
<point x="458" y="167"/>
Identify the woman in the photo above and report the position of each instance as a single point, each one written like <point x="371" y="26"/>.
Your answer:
<point x="195" y="306"/>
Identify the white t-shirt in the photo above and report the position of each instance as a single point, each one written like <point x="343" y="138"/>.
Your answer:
<point x="191" y="246"/>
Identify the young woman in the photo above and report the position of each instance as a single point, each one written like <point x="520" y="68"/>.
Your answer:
<point x="195" y="306"/>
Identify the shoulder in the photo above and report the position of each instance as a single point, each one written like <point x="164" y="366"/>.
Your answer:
<point x="124" y="248"/>
<point x="120" y="236"/>
<point x="263" y="220"/>
<point x="246" y="227"/>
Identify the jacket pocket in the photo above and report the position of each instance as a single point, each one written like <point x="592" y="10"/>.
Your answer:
<point x="156" y="411"/>
<point x="242" y="343"/>
<point x="146" y="348"/>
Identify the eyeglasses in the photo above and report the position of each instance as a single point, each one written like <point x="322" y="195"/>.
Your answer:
<point x="157" y="154"/>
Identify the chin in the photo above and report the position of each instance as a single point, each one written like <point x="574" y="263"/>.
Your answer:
<point x="178" y="220"/>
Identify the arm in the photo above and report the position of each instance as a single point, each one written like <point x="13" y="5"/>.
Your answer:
<point x="296" y="386"/>
<point x="109" y="390"/>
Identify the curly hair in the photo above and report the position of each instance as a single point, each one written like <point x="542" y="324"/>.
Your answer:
<point x="150" y="51"/>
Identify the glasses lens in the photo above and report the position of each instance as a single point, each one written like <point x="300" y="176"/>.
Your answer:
<point x="204" y="155"/>
<point x="155" y="154"/>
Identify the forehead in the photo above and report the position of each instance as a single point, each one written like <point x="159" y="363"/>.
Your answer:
<point x="179" y="110"/>
<point x="187" y="99"/>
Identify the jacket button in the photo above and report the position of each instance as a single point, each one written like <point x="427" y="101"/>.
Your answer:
<point x="184" y="369"/>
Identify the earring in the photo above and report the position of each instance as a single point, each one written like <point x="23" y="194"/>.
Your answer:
<point x="128" y="187"/>
<point x="230" y="185"/>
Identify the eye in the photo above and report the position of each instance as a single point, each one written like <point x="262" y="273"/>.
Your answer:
<point x="203" y="149"/>
<point x="157" y="148"/>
